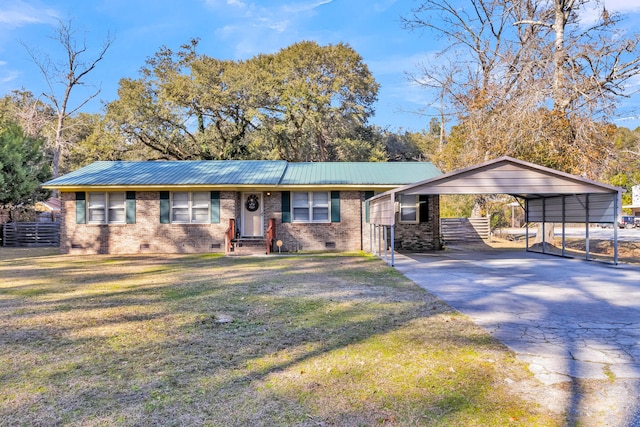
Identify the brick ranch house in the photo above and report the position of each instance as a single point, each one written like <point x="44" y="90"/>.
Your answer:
<point x="237" y="206"/>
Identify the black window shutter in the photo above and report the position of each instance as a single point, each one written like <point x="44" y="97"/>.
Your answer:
<point x="131" y="207"/>
<point x="164" y="207"/>
<point x="215" y="207"/>
<point x="81" y="207"/>
<point x="335" y="206"/>
<point x="424" y="208"/>
<point x="286" y="206"/>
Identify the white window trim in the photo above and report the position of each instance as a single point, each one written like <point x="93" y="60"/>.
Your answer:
<point x="310" y="207"/>
<point x="416" y="207"/>
<point x="190" y="208"/>
<point x="106" y="208"/>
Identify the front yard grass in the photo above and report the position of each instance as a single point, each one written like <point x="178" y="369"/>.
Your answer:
<point x="221" y="341"/>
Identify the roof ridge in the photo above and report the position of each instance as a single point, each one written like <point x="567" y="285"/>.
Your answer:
<point x="284" y="172"/>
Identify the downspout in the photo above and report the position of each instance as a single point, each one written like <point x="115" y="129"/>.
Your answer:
<point x="393" y="225"/>
<point x="375" y="240"/>
<point x="393" y="249"/>
<point x="526" y="224"/>
<point x="615" y="227"/>
<point x="544" y="222"/>
<point x="386" y="244"/>
<point x="586" y="244"/>
<point x="564" y="224"/>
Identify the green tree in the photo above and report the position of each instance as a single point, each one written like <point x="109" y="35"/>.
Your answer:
<point x="306" y="102"/>
<point x="22" y="168"/>
<point x="92" y="139"/>
<point x="319" y="96"/>
<point x="186" y="106"/>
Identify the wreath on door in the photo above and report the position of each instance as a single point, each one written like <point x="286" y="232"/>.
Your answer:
<point x="253" y="203"/>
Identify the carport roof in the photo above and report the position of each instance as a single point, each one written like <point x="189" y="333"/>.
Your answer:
<point x="507" y="175"/>
<point x="567" y="195"/>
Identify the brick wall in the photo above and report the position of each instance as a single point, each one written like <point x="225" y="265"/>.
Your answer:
<point x="342" y="236"/>
<point x="410" y="237"/>
<point x="420" y="237"/>
<point x="147" y="235"/>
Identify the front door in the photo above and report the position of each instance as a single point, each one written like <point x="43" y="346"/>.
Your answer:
<point x="252" y="215"/>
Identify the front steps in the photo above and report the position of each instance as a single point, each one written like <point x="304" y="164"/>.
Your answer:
<point x="248" y="246"/>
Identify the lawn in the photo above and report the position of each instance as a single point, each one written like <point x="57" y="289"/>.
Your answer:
<point x="223" y="341"/>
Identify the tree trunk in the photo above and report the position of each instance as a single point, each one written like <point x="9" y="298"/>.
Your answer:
<point x="547" y="236"/>
<point x="57" y="146"/>
<point x="561" y="15"/>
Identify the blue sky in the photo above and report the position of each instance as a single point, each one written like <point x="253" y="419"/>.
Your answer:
<point x="237" y="29"/>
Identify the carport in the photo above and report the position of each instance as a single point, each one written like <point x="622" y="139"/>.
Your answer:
<point x="549" y="196"/>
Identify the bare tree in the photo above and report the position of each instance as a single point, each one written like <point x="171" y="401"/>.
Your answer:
<point x="63" y="76"/>
<point x="488" y="75"/>
<point x="33" y="115"/>
<point x="528" y="79"/>
<point x="591" y="61"/>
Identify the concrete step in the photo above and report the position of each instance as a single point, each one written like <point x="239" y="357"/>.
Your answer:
<point x="249" y="247"/>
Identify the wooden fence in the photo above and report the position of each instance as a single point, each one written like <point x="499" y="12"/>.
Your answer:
<point x="465" y="229"/>
<point x="17" y="234"/>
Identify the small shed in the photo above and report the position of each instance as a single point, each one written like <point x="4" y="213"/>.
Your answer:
<point x="549" y="195"/>
<point x="635" y="201"/>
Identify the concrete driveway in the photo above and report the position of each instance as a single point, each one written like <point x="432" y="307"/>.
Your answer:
<point x="573" y="321"/>
<point x="566" y="318"/>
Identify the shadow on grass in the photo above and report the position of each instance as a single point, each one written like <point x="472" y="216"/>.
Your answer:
<point x="193" y="340"/>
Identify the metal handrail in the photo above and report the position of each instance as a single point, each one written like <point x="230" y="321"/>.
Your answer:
<point x="229" y="234"/>
<point x="271" y="234"/>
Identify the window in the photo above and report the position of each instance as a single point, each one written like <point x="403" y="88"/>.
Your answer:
<point x="106" y="208"/>
<point x="116" y="207"/>
<point x="409" y="209"/>
<point x="190" y="207"/>
<point x="200" y="207"/>
<point x="310" y="206"/>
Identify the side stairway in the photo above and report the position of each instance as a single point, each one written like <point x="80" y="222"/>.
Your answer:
<point x="465" y="229"/>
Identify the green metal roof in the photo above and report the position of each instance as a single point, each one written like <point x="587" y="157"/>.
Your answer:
<point x="244" y="172"/>
<point x="358" y="173"/>
<point x="200" y="172"/>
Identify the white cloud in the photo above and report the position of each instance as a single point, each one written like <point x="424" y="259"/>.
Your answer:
<point x="633" y="82"/>
<point x="237" y="3"/>
<point x="622" y="5"/>
<point x="592" y="11"/>
<point x="18" y="13"/>
<point x="227" y="31"/>
<point x="9" y="77"/>
<point x="304" y="7"/>
<point x="279" y="26"/>
<point x="255" y="27"/>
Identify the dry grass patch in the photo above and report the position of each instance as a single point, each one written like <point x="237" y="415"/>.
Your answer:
<point x="206" y="340"/>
